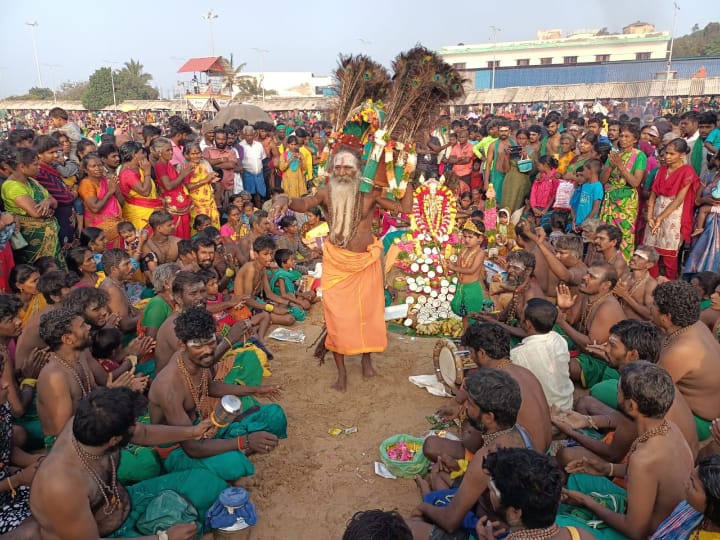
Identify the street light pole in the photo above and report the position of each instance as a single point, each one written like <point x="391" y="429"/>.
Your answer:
<point x="53" y="67"/>
<point x="495" y="30"/>
<point x="33" y="25"/>
<point x="676" y="8"/>
<point x="112" y="81"/>
<point x="262" y="53"/>
<point x="211" y="15"/>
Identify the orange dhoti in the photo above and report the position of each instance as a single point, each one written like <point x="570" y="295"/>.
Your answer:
<point x="353" y="300"/>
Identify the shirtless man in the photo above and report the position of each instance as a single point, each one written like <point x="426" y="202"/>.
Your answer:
<point x="351" y="240"/>
<point x="489" y="347"/>
<point x="492" y="400"/>
<point x="205" y="257"/>
<point x="54" y="286"/>
<point x="690" y="353"/>
<point x="629" y="341"/>
<point x="252" y="281"/>
<point x="550" y="145"/>
<point x="76" y="494"/>
<point x="524" y="286"/>
<point x="565" y="262"/>
<point x="607" y="241"/>
<point x="635" y="289"/>
<point x="587" y="319"/>
<point x="659" y="461"/>
<point x="498" y="156"/>
<point x="179" y="396"/>
<point x="161" y="247"/>
<point x="188" y="291"/>
<point x="545" y="278"/>
<point x="118" y="270"/>
<point x="259" y="226"/>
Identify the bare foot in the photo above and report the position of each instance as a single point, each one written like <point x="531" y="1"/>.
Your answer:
<point x="422" y="485"/>
<point x="367" y="367"/>
<point x="341" y="383"/>
<point x="697" y="232"/>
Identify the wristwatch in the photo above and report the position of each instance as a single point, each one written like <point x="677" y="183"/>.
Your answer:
<point x="162" y="535"/>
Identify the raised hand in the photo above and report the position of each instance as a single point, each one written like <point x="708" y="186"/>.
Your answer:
<point x="565" y="300"/>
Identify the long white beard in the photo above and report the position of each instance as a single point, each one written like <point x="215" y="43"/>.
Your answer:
<point x="343" y="198"/>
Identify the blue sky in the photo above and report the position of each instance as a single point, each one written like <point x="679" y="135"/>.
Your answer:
<point x="75" y="37"/>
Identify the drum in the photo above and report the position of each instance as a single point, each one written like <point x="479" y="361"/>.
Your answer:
<point x="450" y="364"/>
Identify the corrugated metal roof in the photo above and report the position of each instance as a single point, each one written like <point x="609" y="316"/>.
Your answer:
<point x="317" y="103"/>
<point x="41" y="105"/>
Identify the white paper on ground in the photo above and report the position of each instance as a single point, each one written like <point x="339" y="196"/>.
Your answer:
<point x="429" y="383"/>
<point x="283" y="334"/>
<point x="381" y="470"/>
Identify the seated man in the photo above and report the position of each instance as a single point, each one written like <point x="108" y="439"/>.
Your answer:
<point x="635" y="288"/>
<point x="587" y="321"/>
<point x="629" y="341"/>
<point x="76" y="494"/>
<point x="252" y="280"/>
<point x="182" y="393"/>
<point x="118" y="270"/>
<point x="493" y="401"/>
<point x="659" y="463"/>
<point x="259" y="226"/>
<point x="489" y="346"/>
<point x="565" y="262"/>
<point x="607" y="242"/>
<point x="525" y="490"/>
<point x="545" y="353"/>
<point x="690" y="353"/>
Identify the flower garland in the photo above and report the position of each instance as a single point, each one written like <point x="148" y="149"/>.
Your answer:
<point x="434" y="211"/>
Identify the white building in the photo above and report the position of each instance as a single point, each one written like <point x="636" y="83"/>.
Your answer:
<point x="552" y="49"/>
<point x="292" y="83"/>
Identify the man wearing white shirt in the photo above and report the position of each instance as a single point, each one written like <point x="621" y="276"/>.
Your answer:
<point x="253" y="155"/>
<point x="545" y="353"/>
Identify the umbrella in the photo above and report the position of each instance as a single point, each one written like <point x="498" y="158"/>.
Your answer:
<point x="251" y="113"/>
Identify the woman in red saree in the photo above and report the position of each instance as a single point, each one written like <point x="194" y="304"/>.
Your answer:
<point x="670" y="207"/>
<point x="136" y="185"/>
<point x="172" y="183"/>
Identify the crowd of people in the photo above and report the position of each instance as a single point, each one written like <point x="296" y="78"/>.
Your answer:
<point x="141" y="274"/>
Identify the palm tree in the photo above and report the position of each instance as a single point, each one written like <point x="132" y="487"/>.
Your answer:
<point x="134" y="69"/>
<point x="231" y="79"/>
<point x="250" y="87"/>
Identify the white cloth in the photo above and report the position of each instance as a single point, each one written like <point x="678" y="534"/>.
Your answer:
<point x="252" y="157"/>
<point x="547" y="356"/>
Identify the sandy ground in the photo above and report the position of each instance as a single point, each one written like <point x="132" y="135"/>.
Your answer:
<point x="314" y="482"/>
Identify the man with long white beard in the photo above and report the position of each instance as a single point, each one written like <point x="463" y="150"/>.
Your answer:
<point x="352" y="278"/>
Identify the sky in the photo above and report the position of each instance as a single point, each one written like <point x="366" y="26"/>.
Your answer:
<point x="76" y="37"/>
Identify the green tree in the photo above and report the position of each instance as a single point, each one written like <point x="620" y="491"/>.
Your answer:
<point x="40" y="93"/>
<point x="131" y="82"/>
<point x="230" y="80"/>
<point x="72" y="91"/>
<point x="705" y="42"/>
<point x="98" y="93"/>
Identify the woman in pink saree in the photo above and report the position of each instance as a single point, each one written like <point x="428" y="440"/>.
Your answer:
<point x="100" y="198"/>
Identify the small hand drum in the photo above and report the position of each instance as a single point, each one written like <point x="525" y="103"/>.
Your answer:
<point x="450" y="364"/>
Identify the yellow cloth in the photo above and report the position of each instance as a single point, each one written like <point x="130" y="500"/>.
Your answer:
<point x="35" y="305"/>
<point x="353" y="300"/>
<point x="307" y="155"/>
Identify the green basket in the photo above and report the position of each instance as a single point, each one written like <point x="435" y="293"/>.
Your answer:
<point x="404" y="469"/>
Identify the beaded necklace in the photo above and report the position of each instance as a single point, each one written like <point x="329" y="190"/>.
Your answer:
<point x="490" y="437"/>
<point x="662" y="429"/>
<point x="671" y="337"/>
<point x="535" y="534"/>
<point x="199" y="393"/>
<point x="110" y="492"/>
<point x="590" y="306"/>
<point x="84" y="388"/>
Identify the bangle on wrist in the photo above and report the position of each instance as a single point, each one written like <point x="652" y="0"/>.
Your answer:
<point x="592" y="423"/>
<point x="13" y="492"/>
<point x="612" y="470"/>
<point x="229" y="343"/>
<point x="28" y="382"/>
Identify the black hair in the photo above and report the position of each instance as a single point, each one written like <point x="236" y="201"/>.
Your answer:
<point x="104" y="150"/>
<point x="614" y="233"/>
<point x="648" y="385"/>
<point x="52" y="283"/>
<point x="112" y="259"/>
<point x="552" y="117"/>
<point x="488" y="337"/>
<point x="550" y="161"/>
<point x="58" y="112"/>
<point x="209" y="232"/>
<point x="9" y="306"/>
<point x="128" y="150"/>
<point x="631" y="128"/>
<point x="287" y="221"/>
<point x="78" y="300"/>
<point x="125" y="226"/>
<point x="158" y="217"/>
<point x="90" y="234"/>
<point x="590" y="137"/>
<point x="535" y="129"/>
<point x="18" y="136"/>
<point x="377" y="525"/>
<point x="207" y="275"/>
<point x="44" y="143"/>
<point x="194" y="323"/>
<point x="20" y="274"/>
<point x="678" y="299"/>
<point x="602" y="149"/>
<point x="639" y="336"/>
<point x="149" y="130"/>
<point x="22" y="156"/>
<point x="594" y="164"/>
<point x="689" y="115"/>
<point x="541" y="313"/>
<point x="200" y="220"/>
<point x="709" y="473"/>
<point x="316" y="211"/>
<point x="282" y="256"/>
<point x="45" y="263"/>
<point x="529" y="481"/>
<point x="55" y="324"/>
<point x="184" y="278"/>
<point x="83" y="144"/>
<point x="104" y="342"/>
<point x="106" y="413"/>
<point x="264" y="242"/>
<point x="495" y="391"/>
<point x="708" y="282"/>
<point x="609" y="272"/>
<point x="570" y="242"/>
<point x="185" y="247"/>
<point x="202" y="241"/>
<point x="75" y="257"/>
